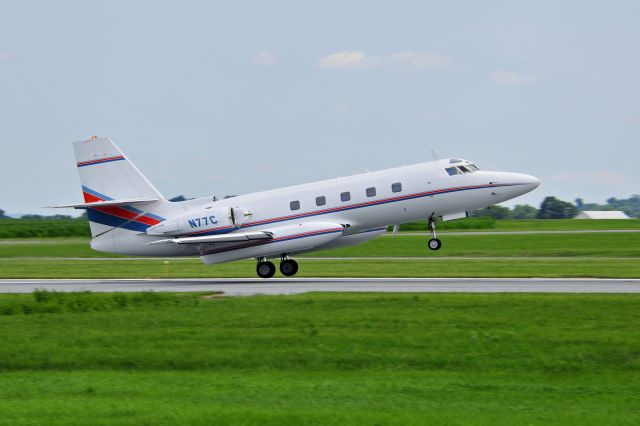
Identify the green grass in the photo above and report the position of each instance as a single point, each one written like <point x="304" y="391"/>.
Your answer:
<point x="44" y="228"/>
<point x="508" y="245"/>
<point x="565" y="224"/>
<point x="436" y="267"/>
<point x="320" y="359"/>
<point x="611" y="255"/>
<point x="488" y="224"/>
<point x="50" y="247"/>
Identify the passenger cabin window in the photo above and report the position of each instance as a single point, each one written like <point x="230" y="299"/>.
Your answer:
<point x="345" y="196"/>
<point x="371" y="192"/>
<point x="321" y="201"/>
<point x="396" y="187"/>
<point x="295" y="205"/>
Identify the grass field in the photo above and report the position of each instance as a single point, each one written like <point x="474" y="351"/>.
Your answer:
<point x="611" y="255"/>
<point x="489" y="224"/>
<point x="437" y="267"/>
<point x="508" y="245"/>
<point x="319" y="359"/>
<point x="564" y="224"/>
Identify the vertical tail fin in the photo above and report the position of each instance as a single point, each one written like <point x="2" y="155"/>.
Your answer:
<point x="105" y="169"/>
<point x="107" y="174"/>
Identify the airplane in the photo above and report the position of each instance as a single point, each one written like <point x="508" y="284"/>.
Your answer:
<point x="128" y="215"/>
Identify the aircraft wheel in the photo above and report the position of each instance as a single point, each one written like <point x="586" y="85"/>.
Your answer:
<point x="288" y="267"/>
<point x="266" y="269"/>
<point x="435" y="244"/>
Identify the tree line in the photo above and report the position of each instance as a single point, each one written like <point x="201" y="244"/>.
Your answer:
<point x="554" y="208"/>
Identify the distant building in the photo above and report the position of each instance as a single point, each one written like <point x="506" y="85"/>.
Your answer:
<point x="604" y="214"/>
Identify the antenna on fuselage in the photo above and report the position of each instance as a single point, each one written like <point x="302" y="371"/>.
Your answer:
<point x="435" y="155"/>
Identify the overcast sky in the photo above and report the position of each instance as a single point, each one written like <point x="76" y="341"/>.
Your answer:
<point x="234" y="97"/>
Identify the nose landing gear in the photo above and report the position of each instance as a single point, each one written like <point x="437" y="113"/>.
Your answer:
<point x="434" y="243"/>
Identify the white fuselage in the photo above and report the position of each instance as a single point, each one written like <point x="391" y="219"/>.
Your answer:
<point x="399" y="195"/>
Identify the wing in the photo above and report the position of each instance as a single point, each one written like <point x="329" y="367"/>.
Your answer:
<point x="225" y="238"/>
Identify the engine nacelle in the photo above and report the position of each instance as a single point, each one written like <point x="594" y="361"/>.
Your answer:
<point x="201" y="221"/>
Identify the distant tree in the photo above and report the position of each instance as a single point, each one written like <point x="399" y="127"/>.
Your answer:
<point x="524" y="211"/>
<point x="579" y="203"/>
<point x="2" y="216"/>
<point x="59" y="217"/>
<point x="552" y="208"/>
<point x="496" y="212"/>
<point x="630" y="206"/>
<point x="32" y="216"/>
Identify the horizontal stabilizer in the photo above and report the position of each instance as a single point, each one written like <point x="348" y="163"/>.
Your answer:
<point x="210" y="239"/>
<point x="107" y="203"/>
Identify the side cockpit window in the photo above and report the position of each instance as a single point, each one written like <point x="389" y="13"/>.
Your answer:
<point x="458" y="170"/>
<point x="452" y="171"/>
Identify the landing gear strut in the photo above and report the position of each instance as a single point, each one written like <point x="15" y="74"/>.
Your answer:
<point x="265" y="269"/>
<point x="434" y="243"/>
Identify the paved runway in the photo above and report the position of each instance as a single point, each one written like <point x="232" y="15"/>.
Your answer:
<point x="251" y="286"/>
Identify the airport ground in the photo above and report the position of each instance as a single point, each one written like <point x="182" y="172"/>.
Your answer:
<point x="328" y="358"/>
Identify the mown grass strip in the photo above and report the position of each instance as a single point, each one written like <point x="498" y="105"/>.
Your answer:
<point x="536" y="245"/>
<point x="321" y="359"/>
<point x="436" y="267"/>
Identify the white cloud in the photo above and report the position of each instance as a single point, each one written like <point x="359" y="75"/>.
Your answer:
<point x="344" y="60"/>
<point x="512" y="78"/>
<point x="599" y="177"/>
<point x="265" y="57"/>
<point x="404" y="60"/>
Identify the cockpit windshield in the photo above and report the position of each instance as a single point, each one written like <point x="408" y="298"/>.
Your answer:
<point x="462" y="169"/>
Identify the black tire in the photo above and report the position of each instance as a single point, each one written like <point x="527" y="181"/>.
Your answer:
<point x="266" y="269"/>
<point x="434" y="244"/>
<point x="288" y="267"/>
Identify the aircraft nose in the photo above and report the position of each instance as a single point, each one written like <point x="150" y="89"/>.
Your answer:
<point x="528" y="182"/>
<point x="532" y="181"/>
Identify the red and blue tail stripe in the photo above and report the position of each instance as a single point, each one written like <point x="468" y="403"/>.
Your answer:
<point x="100" y="161"/>
<point x="126" y="217"/>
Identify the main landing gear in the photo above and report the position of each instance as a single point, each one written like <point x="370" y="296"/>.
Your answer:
<point x="434" y="243"/>
<point x="266" y="269"/>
